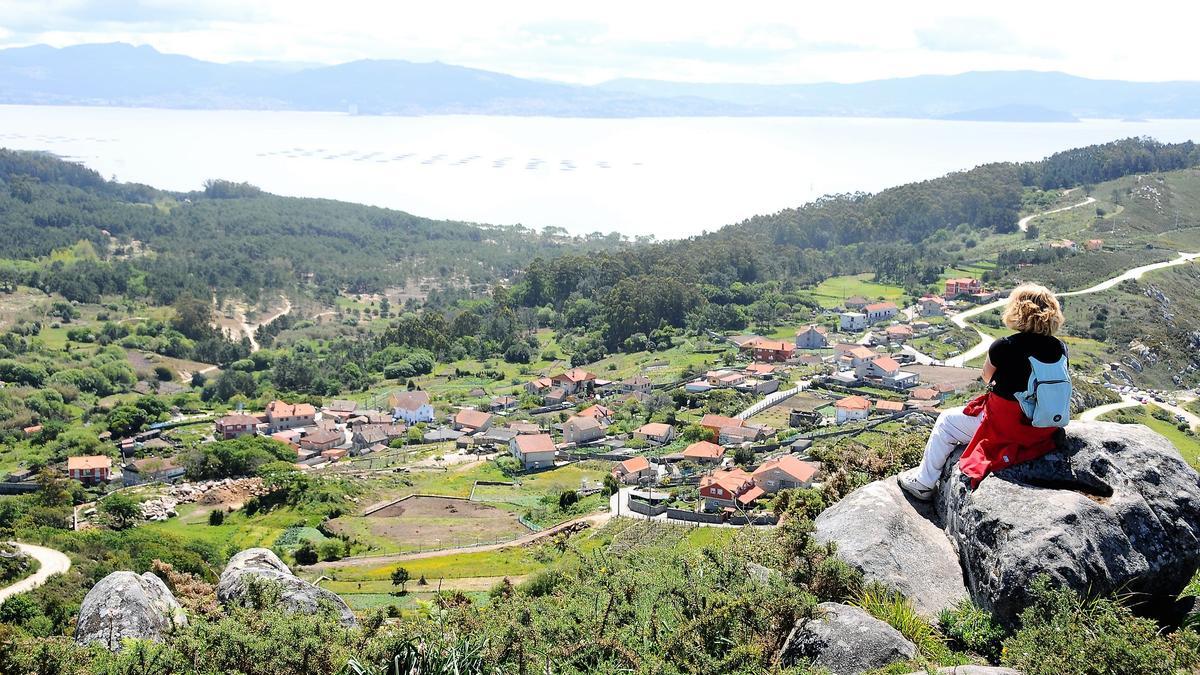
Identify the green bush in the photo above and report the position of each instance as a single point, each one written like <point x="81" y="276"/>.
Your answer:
<point x="1062" y="632"/>
<point x="216" y="517"/>
<point x="331" y="549"/>
<point x="970" y="628"/>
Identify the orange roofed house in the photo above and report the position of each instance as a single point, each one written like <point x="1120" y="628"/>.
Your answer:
<point x="785" y="473"/>
<point x="880" y="311"/>
<point x="535" y="451"/>
<point x="769" y="351"/>
<point x="469" y="420"/>
<point x="633" y="470"/>
<point x="237" y="425"/>
<point x="281" y="415"/>
<point x="704" y="452"/>
<point x="575" y="381"/>
<point x="852" y="408"/>
<point x="729" y="488"/>
<point x="89" y="468"/>
<point x="964" y="286"/>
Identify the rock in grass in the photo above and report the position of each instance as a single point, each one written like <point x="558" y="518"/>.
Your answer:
<point x="125" y="605"/>
<point x="846" y="640"/>
<point x="261" y="567"/>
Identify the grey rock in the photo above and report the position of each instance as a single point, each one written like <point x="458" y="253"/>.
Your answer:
<point x="895" y="540"/>
<point x="296" y="594"/>
<point x="846" y="640"/>
<point x="1114" y="509"/>
<point x="125" y="605"/>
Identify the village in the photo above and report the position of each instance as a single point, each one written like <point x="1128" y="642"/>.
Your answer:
<point x="850" y="372"/>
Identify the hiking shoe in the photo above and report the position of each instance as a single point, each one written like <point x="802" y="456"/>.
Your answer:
<point x="917" y="490"/>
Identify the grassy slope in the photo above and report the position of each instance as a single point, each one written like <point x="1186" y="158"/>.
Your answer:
<point x="1187" y="444"/>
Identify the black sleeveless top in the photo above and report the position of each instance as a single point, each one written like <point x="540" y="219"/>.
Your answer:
<point x="1011" y="355"/>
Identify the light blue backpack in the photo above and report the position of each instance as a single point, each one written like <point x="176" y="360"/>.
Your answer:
<point x="1047" y="400"/>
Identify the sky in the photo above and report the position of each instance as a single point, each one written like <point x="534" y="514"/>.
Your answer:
<point x="792" y="41"/>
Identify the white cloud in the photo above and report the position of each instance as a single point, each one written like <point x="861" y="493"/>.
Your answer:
<point x="767" y="41"/>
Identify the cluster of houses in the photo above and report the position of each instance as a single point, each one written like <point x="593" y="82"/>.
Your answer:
<point x="752" y="378"/>
<point x="723" y="487"/>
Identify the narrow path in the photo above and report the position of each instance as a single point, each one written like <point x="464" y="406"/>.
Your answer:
<point x="51" y="562"/>
<point x="248" y="328"/>
<point x="1024" y="222"/>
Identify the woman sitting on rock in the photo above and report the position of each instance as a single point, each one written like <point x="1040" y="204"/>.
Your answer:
<point x="996" y="427"/>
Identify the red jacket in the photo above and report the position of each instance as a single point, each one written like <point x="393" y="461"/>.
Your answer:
<point x="1005" y="438"/>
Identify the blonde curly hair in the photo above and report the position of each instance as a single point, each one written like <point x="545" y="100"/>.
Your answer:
<point x="1033" y="309"/>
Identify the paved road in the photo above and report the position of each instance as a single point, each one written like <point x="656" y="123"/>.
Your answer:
<point x="1024" y="222"/>
<point x="1126" y="401"/>
<point x="52" y="562"/>
<point x="986" y="340"/>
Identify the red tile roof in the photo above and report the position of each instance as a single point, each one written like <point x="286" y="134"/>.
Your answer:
<point x="285" y="409"/>
<point x="887" y="364"/>
<point x="704" y="450"/>
<point x="880" y="306"/>
<point x="576" y="375"/>
<point x="800" y="470"/>
<point x="595" y="411"/>
<point x="84" y="462"/>
<point x="472" y="418"/>
<point x="527" y="443"/>
<point x="654" y="429"/>
<point x="853" y="403"/>
<point x="635" y="464"/>
<point x="720" y="422"/>
<point x="408" y="400"/>
<point x="890" y="406"/>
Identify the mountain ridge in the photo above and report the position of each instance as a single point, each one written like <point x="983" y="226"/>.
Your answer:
<point x="83" y="75"/>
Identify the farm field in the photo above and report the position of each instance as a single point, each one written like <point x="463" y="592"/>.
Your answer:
<point x="833" y="291"/>
<point x="423" y="523"/>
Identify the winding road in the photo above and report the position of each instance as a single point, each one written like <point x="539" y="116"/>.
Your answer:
<point x="51" y="562"/>
<point x="1024" y="222"/>
<point x="985" y="340"/>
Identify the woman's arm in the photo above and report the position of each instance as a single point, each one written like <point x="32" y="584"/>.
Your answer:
<point x="989" y="371"/>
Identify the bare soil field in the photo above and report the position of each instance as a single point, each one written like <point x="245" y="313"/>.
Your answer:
<point x="423" y="522"/>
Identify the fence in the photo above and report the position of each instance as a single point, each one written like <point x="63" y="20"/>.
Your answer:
<point x="645" y="509"/>
<point x="772" y="400"/>
<point x="693" y="516"/>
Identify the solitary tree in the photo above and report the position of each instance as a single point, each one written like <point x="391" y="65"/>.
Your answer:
<point x="400" y="576"/>
<point x="120" y="509"/>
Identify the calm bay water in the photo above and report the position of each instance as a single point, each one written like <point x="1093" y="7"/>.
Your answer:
<point x="667" y="177"/>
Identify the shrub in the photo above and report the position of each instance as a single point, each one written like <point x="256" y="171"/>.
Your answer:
<point x="1062" y="632"/>
<point x="331" y="549"/>
<point x="306" y="554"/>
<point x="970" y="628"/>
<point x="216" y="517"/>
<point x="163" y="373"/>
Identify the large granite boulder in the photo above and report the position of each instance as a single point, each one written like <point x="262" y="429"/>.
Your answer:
<point x="894" y="540"/>
<point x="1114" y="509"/>
<point x="846" y="640"/>
<point x="125" y="605"/>
<point x="256" y="565"/>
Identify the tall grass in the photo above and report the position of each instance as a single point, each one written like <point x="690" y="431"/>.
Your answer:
<point x="895" y="610"/>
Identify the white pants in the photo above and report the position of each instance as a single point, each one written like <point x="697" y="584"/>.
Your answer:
<point x="951" y="429"/>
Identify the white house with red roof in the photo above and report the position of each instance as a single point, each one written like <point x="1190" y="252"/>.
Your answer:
<point x="534" y="451"/>
<point x="880" y="311"/>
<point x="89" y="468"/>
<point x="851" y="408"/>
<point x="785" y="473"/>
<point x="575" y="381"/>
<point x="633" y="470"/>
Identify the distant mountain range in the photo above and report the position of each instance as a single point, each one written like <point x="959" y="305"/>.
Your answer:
<point x="123" y="75"/>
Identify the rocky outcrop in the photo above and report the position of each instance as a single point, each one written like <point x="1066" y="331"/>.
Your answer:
<point x="125" y="605"/>
<point x="1114" y="509"/>
<point x="846" y="640"/>
<point x="894" y="540"/>
<point x="256" y="565"/>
